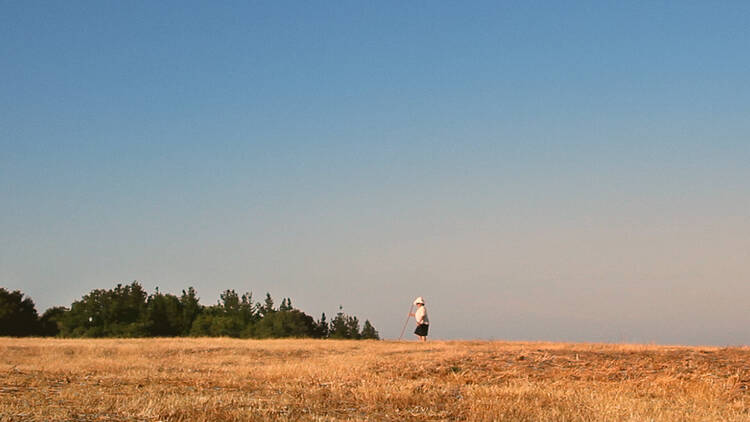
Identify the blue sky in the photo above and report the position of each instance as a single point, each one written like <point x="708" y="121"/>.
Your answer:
<point x="540" y="170"/>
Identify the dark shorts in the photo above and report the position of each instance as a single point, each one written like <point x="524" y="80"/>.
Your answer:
<point x="421" y="329"/>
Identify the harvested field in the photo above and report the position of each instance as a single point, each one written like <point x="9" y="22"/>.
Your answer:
<point x="191" y="379"/>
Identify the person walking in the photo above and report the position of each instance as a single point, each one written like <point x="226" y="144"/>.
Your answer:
<point x="423" y="322"/>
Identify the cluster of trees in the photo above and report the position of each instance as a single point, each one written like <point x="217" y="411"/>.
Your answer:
<point x="18" y="316"/>
<point x="129" y="311"/>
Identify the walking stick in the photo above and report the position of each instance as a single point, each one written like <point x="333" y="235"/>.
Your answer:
<point x="406" y="322"/>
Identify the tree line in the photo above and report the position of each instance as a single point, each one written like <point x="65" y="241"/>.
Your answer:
<point x="129" y="311"/>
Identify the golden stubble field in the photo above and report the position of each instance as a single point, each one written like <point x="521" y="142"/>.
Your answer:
<point x="323" y="380"/>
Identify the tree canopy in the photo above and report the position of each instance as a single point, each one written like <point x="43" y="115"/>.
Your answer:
<point x="129" y="311"/>
<point x="18" y="316"/>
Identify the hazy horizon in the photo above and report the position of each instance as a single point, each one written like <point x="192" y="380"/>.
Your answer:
<point x="554" y="171"/>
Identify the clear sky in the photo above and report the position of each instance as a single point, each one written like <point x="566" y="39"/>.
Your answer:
<point x="571" y="171"/>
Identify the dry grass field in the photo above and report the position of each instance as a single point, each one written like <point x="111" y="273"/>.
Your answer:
<point x="323" y="380"/>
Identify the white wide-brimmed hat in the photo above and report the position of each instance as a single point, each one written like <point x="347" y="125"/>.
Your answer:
<point x="419" y="300"/>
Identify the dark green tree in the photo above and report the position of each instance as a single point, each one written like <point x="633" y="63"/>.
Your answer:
<point x="226" y="326"/>
<point x="321" y="327"/>
<point x="286" y="305"/>
<point x="352" y="327"/>
<point x="120" y="312"/>
<point x="164" y="315"/>
<point x="369" y="332"/>
<point x="233" y="316"/>
<point x="267" y="307"/>
<point x="128" y="311"/>
<point x="18" y="316"/>
<point x="247" y="311"/>
<point x="190" y="310"/>
<point x="344" y="326"/>
<point x="338" y="325"/>
<point x="201" y="326"/>
<point x="51" y="320"/>
<point x="230" y="302"/>
<point x="293" y="323"/>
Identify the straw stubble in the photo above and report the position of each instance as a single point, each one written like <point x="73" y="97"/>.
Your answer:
<point x="191" y="379"/>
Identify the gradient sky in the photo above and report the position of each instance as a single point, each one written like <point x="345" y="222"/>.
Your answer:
<point x="536" y="170"/>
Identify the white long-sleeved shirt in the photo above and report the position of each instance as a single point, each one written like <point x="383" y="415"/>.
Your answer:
<point x="421" y="316"/>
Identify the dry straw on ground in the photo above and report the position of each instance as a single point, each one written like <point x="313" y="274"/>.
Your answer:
<point x="322" y="380"/>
